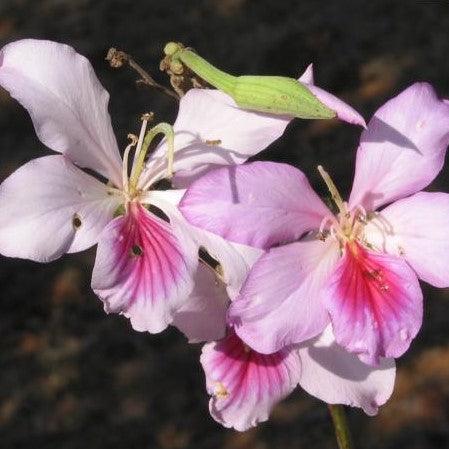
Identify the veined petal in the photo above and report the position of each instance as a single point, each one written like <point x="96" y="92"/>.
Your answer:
<point x="49" y="207"/>
<point x="67" y="103"/>
<point x="144" y="268"/>
<point x="416" y="228"/>
<point x="338" y="377"/>
<point x="403" y="149"/>
<point x="375" y="304"/>
<point x="245" y="385"/>
<point x="202" y="317"/>
<point x="280" y="302"/>
<point x="343" y="110"/>
<point x="259" y="204"/>
<point x="211" y="130"/>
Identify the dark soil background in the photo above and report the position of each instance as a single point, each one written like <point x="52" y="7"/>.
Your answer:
<point x="72" y="377"/>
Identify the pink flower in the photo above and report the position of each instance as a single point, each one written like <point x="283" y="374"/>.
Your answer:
<point x="147" y="257"/>
<point x="245" y="385"/>
<point x="357" y="269"/>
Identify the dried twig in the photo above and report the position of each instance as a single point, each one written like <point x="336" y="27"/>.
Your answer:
<point x="117" y="58"/>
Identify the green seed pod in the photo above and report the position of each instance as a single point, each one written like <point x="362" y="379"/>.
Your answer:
<point x="272" y="94"/>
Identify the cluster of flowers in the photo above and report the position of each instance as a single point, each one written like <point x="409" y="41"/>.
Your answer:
<point x="297" y="294"/>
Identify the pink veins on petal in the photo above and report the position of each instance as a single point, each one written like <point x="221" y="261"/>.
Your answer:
<point x="375" y="303"/>
<point x="141" y="269"/>
<point x="244" y="384"/>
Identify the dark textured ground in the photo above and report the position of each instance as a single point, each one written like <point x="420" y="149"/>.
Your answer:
<point x="72" y="377"/>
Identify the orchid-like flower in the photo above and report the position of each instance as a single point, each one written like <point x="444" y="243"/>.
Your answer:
<point x="357" y="269"/>
<point x="147" y="255"/>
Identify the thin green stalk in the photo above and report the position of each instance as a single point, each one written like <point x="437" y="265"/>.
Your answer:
<point x="341" y="427"/>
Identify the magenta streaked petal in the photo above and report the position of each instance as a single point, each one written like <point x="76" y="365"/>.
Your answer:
<point x="338" y="377"/>
<point x="235" y="259"/>
<point x="343" y="110"/>
<point x="403" y="149"/>
<point x="67" y="103"/>
<point x="258" y="204"/>
<point x="375" y="303"/>
<point x="245" y="385"/>
<point x="416" y="228"/>
<point x="202" y="317"/>
<point x="144" y="268"/>
<point x="212" y="131"/>
<point x="280" y="302"/>
<point x="49" y="207"/>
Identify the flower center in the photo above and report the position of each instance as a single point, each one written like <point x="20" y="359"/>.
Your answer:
<point x="131" y="190"/>
<point x="347" y="225"/>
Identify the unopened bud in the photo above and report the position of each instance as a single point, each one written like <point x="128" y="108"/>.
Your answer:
<point x="277" y="95"/>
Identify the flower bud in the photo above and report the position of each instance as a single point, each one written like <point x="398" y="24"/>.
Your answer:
<point x="271" y="94"/>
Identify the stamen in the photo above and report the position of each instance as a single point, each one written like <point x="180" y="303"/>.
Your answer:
<point x="161" y="128"/>
<point x="329" y="219"/>
<point x="133" y="143"/>
<point x="336" y="197"/>
<point x="145" y="119"/>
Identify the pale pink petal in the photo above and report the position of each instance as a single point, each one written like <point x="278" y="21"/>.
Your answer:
<point x="416" y="228"/>
<point x="258" y="204"/>
<point x="234" y="259"/>
<point x="403" y="149"/>
<point x="49" y="207"/>
<point x="280" y="302"/>
<point x="67" y="103"/>
<point x="245" y="385"/>
<point x="144" y="268"/>
<point x="212" y="131"/>
<point x="338" y="377"/>
<point x="202" y="317"/>
<point x="344" y="111"/>
<point x="375" y="304"/>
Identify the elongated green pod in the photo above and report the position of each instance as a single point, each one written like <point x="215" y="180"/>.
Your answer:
<point x="271" y="94"/>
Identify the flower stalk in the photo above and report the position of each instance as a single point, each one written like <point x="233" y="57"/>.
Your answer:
<point x="342" y="432"/>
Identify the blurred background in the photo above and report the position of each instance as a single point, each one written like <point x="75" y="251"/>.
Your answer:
<point x="72" y="377"/>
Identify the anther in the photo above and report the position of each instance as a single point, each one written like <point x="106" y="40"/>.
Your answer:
<point x="213" y="143"/>
<point x="133" y="139"/>
<point x="220" y="391"/>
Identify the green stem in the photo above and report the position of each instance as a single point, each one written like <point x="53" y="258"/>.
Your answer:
<point x="341" y="427"/>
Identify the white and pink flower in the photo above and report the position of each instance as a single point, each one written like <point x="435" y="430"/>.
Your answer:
<point x="357" y="269"/>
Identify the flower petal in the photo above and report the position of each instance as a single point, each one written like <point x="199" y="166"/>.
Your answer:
<point x="279" y="303"/>
<point x="49" y="207"/>
<point x="67" y="103"/>
<point x="416" y="228"/>
<point x="403" y="149"/>
<point x="245" y="385"/>
<point x="202" y="317"/>
<point x="338" y="377"/>
<point x="344" y="111"/>
<point x="212" y="131"/>
<point x="375" y="304"/>
<point x="234" y="259"/>
<point x="259" y="204"/>
<point x="144" y="268"/>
